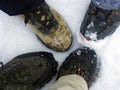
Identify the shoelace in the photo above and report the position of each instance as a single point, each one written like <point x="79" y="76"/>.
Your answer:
<point x="78" y="70"/>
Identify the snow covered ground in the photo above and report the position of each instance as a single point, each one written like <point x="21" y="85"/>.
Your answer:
<point x="16" y="39"/>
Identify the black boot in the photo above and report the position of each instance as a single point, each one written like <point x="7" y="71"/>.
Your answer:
<point x="28" y="71"/>
<point x="83" y="62"/>
<point x="99" y="23"/>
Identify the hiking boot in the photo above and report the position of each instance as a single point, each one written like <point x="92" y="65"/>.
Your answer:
<point x="50" y="27"/>
<point x="28" y="72"/>
<point x="83" y="62"/>
<point x="99" y="23"/>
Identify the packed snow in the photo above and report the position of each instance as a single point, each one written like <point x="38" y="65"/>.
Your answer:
<point x="17" y="38"/>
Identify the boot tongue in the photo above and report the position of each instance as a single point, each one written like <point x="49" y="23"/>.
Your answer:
<point x="47" y="23"/>
<point x="43" y="19"/>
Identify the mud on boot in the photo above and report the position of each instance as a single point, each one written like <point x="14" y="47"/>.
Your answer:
<point x="50" y="27"/>
<point x="28" y="71"/>
<point x="99" y="23"/>
<point x="83" y="62"/>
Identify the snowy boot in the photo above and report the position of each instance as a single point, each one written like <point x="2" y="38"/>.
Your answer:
<point x="28" y="72"/>
<point x="99" y="23"/>
<point x="50" y="27"/>
<point x="83" y="62"/>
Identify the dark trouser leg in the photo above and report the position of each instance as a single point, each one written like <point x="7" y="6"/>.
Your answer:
<point x="16" y="7"/>
<point x="107" y="4"/>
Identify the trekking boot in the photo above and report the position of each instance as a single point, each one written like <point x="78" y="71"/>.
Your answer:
<point x="50" y="27"/>
<point x="83" y="62"/>
<point x="28" y="72"/>
<point x="99" y="23"/>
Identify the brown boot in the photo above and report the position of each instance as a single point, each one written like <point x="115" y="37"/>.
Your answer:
<point x="83" y="62"/>
<point x="50" y="27"/>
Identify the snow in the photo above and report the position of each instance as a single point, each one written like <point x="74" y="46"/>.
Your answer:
<point x="17" y="38"/>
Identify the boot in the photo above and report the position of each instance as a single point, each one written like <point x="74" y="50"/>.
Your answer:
<point x="83" y="62"/>
<point x="50" y="27"/>
<point x="99" y="23"/>
<point x="28" y="72"/>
